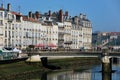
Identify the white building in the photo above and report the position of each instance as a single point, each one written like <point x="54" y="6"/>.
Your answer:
<point x="51" y="36"/>
<point x="67" y="34"/>
<point x="60" y="34"/>
<point x="11" y="28"/>
<point x="31" y="31"/>
<point x="20" y="31"/>
<point x="77" y="38"/>
<point x="1" y="27"/>
<point x="81" y="32"/>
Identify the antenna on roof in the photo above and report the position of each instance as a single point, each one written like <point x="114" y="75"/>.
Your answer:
<point x="19" y="8"/>
<point x="2" y="3"/>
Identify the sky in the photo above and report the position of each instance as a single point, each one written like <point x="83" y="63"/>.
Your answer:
<point x="104" y="14"/>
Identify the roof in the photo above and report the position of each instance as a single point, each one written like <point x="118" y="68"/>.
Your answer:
<point x="15" y="13"/>
<point x="26" y="18"/>
<point x="113" y="33"/>
<point x="2" y="8"/>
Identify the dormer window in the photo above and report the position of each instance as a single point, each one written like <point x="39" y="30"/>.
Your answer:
<point x="18" y="18"/>
<point x="10" y="18"/>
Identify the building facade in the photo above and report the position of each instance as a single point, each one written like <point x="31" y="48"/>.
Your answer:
<point x="56" y="29"/>
<point x="106" y="39"/>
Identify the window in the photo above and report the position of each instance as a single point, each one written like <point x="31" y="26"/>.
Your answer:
<point x="5" y="40"/>
<point x="9" y="35"/>
<point x="5" y="33"/>
<point x="1" y="30"/>
<point x="9" y="26"/>
<point x="1" y="14"/>
<point x="13" y="34"/>
<point x="1" y="22"/>
<point x="5" y="25"/>
<point x="12" y="26"/>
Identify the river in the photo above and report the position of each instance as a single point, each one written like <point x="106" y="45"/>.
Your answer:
<point x="91" y="74"/>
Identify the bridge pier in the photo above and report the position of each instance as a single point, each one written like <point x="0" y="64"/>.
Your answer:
<point x="44" y="61"/>
<point x="106" y="67"/>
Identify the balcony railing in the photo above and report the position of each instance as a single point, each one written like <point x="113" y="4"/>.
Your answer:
<point x="61" y="39"/>
<point x="68" y="42"/>
<point x="61" y="31"/>
<point x="10" y="20"/>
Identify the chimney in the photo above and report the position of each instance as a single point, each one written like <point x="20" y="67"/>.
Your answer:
<point x="81" y="15"/>
<point x="9" y="7"/>
<point x="61" y="15"/>
<point x="76" y="20"/>
<point x="66" y="13"/>
<point x="30" y="14"/>
<point x="2" y="6"/>
<point x="49" y="13"/>
<point x="37" y="14"/>
<point x="33" y="16"/>
<point x="84" y="17"/>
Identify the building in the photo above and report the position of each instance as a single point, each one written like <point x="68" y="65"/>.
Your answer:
<point x="54" y="30"/>
<point x="109" y="39"/>
<point x="11" y="28"/>
<point x="31" y="31"/>
<point x="81" y="32"/>
<point x="67" y="34"/>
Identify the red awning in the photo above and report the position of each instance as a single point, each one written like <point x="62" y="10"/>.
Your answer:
<point x="39" y="45"/>
<point x="52" y="45"/>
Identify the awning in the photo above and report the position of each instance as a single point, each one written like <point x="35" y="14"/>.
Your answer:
<point x="4" y="50"/>
<point x="39" y="45"/>
<point x="52" y="45"/>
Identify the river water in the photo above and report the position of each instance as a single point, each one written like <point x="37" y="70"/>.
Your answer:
<point x="91" y="74"/>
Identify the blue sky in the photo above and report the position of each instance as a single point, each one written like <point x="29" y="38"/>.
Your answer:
<point x="104" y="14"/>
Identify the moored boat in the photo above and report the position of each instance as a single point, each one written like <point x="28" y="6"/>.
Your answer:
<point x="11" y="54"/>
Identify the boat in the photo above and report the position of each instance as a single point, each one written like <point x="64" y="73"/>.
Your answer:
<point x="11" y="55"/>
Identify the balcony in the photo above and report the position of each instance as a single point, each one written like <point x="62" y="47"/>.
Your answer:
<point x="68" y="42"/>
<point x="61" y="32"/>
<point x="1" y="34"/>
<point x="10" y="20"/>
<point x="67" y="32"/>
<point x="60" y="39"/>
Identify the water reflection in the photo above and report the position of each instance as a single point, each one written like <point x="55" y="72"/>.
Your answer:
<point x="44" y="76"/>
<point x="92" y="74"/>
<point x="70" y="75"/>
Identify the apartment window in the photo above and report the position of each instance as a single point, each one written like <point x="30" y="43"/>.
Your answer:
<point x="1" y="30"/>
<point x="16" y="28"/>
<point x="5" y="25"/>
<point x="9" y="35"/>
<point x="1" y="14"/>
<point x="5" y="33"/>
<point x="5" y="40"/>
<point x="1" y="22"/>
<point x="9" y="26"/>
<point x="12" y="26"/>
<point x="10" y="16"/>
<point x="13" y="34"/>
